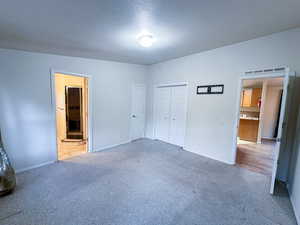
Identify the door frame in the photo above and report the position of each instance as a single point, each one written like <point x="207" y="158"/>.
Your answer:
<point x="89" y="102"/>
<point x="131" y="125"/>
<point x="154" y="112"/>
<point x="284" y="73"/>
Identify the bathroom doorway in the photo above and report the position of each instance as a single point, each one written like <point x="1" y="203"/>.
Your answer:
<point x="71" y="95"/>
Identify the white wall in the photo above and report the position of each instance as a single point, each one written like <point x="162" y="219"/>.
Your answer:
<point x="211" y="118"/>
<point x="26" y="116"/>
<point x="271" y="111"/>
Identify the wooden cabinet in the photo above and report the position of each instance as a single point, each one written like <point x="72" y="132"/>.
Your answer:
<point x="256" y="97"/>
<point x="248" y="130"/>
<point x="250" y="97"/>
<point x="246" y="97"/>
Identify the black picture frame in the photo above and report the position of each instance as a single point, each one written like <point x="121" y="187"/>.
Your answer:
<point x="210" y="89"/>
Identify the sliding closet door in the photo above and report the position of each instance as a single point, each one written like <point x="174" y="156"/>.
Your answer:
<point x="178" y="115"/>
<point x="171" y="105"/>
<point x="163" y="100"/>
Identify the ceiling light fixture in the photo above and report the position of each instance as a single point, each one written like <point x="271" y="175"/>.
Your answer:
<point x="146" y="40"/>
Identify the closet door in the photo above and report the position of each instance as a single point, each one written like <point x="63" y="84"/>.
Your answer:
<point x="178" y="115"/>
<point x="163" y="100"/>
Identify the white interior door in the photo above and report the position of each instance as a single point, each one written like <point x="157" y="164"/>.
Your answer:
<point x="138" y="112"/>
<point x="163" y="101"/>
<point x="178" y="115"/>
<point x="281" y="130"/>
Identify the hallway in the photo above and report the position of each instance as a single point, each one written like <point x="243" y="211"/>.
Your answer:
<point x="256" y="157"/>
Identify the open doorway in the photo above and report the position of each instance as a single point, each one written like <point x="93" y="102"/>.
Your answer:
<point x="71" y="94"/>
<point x="260" y="108"/>
<point x="257" y="101"/>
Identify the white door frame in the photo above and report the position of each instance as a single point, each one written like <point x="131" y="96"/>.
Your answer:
<point x="162" y="85"/>
<point x="131" y="125"/>
<point x="90" y="105"/>
<point x="282" y="74"/>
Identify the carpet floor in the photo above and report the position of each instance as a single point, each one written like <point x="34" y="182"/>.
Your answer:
<point x="144" y="183"/>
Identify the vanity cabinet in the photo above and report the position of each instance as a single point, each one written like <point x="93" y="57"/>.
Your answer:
<point x="248" y="129"/>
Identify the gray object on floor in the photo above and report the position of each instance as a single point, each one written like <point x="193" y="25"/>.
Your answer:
<point x="7" y="173"/>
<point x="144" y="183"/>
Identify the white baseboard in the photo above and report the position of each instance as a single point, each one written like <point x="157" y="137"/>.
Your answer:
<point x="204" y="155"/>
<point x="112" y="146"/>
<point x="35" y="166"/>
<point x="294" y="206"/>
<point x="295" y="211"/>
<point x="50" y="162"/>
<point x="150" y="137"/>
<point x="210" y="157"/>
<point x="269" y="138"/>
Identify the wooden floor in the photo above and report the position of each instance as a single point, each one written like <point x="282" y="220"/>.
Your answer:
<point x="256" y="157"/>
<point x="71" y="149"/>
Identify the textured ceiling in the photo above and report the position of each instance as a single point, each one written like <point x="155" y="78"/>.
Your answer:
<point x="107" y="29"/>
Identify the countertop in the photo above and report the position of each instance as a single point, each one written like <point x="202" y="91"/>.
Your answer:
<point x="249" y="118"/>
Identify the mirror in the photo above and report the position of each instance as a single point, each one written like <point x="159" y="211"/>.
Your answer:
<point x="74" y="112"/>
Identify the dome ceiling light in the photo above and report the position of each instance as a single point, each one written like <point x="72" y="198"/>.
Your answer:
<point x="146" y="40"/>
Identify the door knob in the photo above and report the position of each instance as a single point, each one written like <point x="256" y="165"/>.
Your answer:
<point x="133" y="116"/>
